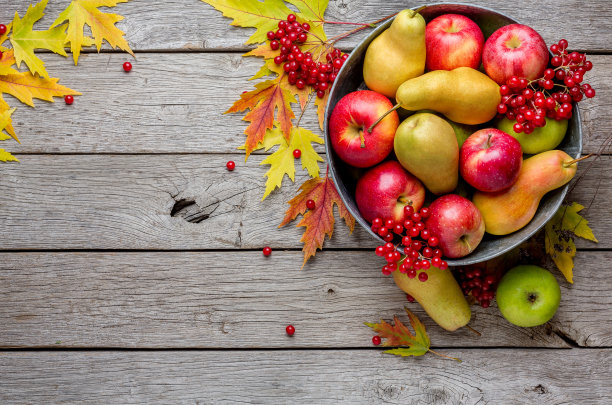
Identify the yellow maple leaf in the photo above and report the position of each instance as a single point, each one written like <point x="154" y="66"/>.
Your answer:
<point x="7" y="156"/>
<point x="25" y="40"/>
<point x="5" y="119"/>
<point x="4" y="107"/>
<point x="26" y="87"/>
<point x="4" y="37"/>
<point x="81" y="12"/>
<point x="282" y="161"/>
<point x="559" y="234"/>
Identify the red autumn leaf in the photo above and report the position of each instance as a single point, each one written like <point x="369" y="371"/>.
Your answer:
<point x="320" y="221"/>
<point x="268" y="97"/>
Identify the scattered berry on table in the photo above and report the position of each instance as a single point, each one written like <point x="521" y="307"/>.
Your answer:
<point x="297" y="153"/>
<point x="310" y="204"/>
<point x="69" y="99"/>
<point x="127" y="66"/>
<point x="2" y="29"/>
<point x="376" y="340"/>
<point x="267" y="251"/>
<point x="290" y="330"/>
<point x="230" y="165"/>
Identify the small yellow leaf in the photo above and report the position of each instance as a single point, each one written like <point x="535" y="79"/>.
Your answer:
<point x="81" y="12"/>
<point x="282" y="161"/>
<point x="263" y="72"/>
<point x="7" y="156"/>
<point x="25" y="40"/>
<point x="4" y="107"/>
<point x="25" y="87"/>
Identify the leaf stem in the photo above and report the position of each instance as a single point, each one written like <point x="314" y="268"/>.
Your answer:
<point x="444" y="355"/>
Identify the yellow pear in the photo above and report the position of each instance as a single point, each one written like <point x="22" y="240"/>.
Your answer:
<point x="509" y="210"/>
<point x="463" y="95"/>
<point x="440" y="296"/>
<point x="396" y="55"/>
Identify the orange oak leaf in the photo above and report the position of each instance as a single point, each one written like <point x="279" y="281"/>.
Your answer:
<point x="320" y="221"/>
<point x="268" y="97"/>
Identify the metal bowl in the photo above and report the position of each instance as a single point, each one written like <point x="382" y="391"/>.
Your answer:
<point x="350" y="78"/>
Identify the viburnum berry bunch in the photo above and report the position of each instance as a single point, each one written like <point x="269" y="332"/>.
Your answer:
<point x="420" y="247"/>
<point x="301" y="68"/>
<point x="474" y="281"/>
<point x="529" y="102"/>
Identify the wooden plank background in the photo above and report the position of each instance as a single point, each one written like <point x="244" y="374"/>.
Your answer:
<point x="191" y="312"/>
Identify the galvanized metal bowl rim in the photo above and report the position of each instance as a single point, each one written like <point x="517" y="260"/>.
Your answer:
<point x="335" y="177"/>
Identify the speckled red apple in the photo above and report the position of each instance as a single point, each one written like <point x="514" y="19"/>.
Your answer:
<point x="490" y="160"/>
<point x="349" y="124"/>
<point x="383" y="191"/>
<point x="452" y="41"/>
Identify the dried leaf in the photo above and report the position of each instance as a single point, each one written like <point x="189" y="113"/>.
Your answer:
<point x="282" y="161"/>
<point x="320" y="221"/>
<point x="559" y="237"/>
<point x="25" y="87"/>
<point x="397" y="334"/>
<point x="268" y="98"/>
<point x="25" y="40"/>
<point x="81" y="12"/>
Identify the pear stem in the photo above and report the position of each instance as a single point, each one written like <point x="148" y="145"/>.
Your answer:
<point x="382" y="117"/>
<point x="415" y="12"/>
<point x="571" y="162"/>
<point x="473" y="330"/>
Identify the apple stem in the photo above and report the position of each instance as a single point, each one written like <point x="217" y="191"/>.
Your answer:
<point x="571" y="162"/>
<point x="473" y="330"/>
<point x="404" y="200"/>
<point x="489" y="141"/>
<point x="362" y="138"/>
<point x="382" y="117"/>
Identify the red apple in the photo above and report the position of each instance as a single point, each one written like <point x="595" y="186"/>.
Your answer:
<point x="490" y="160"/>
<point x="452" y="41"/>
<point x="514" y="50"/>
<point x="384" y="191"/>
<point x="457" y="223"/>
<point x="349" y="124"/>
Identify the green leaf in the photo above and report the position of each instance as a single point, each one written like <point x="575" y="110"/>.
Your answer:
<point x="25" y="40"/>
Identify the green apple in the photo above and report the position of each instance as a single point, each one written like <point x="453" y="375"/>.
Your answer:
<point x="541" y="139"/>
<point x="528" y="295"/>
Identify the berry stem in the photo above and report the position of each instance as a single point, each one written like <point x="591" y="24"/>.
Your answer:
<point x="346" y="34"/>
<point x="571" y="162"/>
<point x="382" y="117"/>
<point x="473" y="330"/>
<point x="365" y="25"/>
<point x="304" y="109"/>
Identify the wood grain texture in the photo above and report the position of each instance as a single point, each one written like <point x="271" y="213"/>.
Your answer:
<point x="510" y="376"/>
<point x="126" y="202"/>
<point x="244" y="300"/>
<point x="196" y="26"/>
<point x="174" y="103"/>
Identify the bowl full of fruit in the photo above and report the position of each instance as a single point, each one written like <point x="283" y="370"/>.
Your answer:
<point x="452" y="132"/>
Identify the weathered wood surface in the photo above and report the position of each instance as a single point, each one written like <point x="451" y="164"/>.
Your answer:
<point x="126" y="202"/>
<point x="511" y="376"/>
<point x="195" y="26"/>
<point x="174" y="103"/>
<point x="243" y="300"/>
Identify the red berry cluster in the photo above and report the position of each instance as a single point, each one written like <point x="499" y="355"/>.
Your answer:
<point x="300" y="67"/>
<point x="420" y="247"/>
<point x="476" y="282"/>
<point x="530" y="102"/>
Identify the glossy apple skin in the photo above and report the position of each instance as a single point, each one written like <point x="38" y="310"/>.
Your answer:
<point x="514" y="49"/>
<point x="528" y="296"/>
<point x="457" y="223"/>
<point x="384" y="190"/>
<point x="452" y="41"/>
<point x="349" y="123"/>
<point x="490" y="160"/>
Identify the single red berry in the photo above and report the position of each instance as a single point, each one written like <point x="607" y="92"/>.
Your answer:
<point x="291" y="18"/>
<point x="320" y="93"/>
<point x="2" y="29"/>
<point x="389" y="223"/>
<point x="69" y="99"/>
<point x="271" y="35"/>
<point x="274" y="45"/>
<point x="297" y="153"/>
<point x="410" y="298"/>
<point x="380" y="251"/>
<point x="423" y="276"/>
<point x="408" y="210"/>
<point x="127" y="66"/>
<point x="306" y="26"/>
<point x="267" y="251"/>
<point x="310" y="204"/>
<point x="290" y="330"/>
<point x="230" y="165"/>
<point x="376" y="340"/>
<point x="411" y="273"/>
